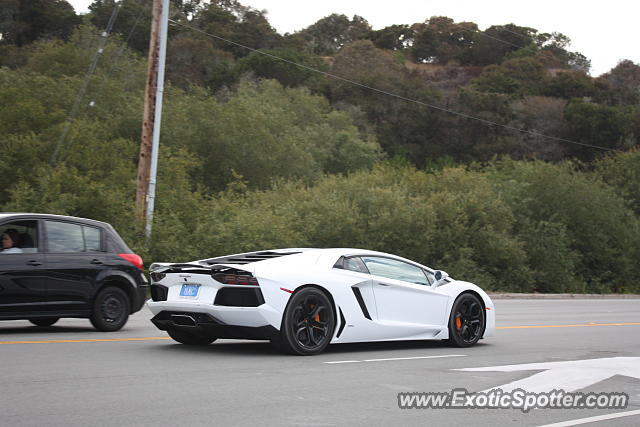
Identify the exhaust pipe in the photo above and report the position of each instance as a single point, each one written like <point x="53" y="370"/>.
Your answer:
<point x="183" y="320"/>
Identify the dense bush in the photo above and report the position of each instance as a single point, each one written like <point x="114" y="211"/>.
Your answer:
<point x="573" y="223"/>
<point x="515" y="226"/>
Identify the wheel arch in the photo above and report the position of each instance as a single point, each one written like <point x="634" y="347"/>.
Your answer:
<point x="121" y="282"/>
<point x="319" y="287"/>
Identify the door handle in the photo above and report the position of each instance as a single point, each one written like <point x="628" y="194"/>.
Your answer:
<point x="34" y="263"/>
<point x="382" y="284"/>
<point x="96" y="261"/>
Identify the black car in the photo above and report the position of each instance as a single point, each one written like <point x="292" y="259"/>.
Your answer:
<point x="54" y="266"/>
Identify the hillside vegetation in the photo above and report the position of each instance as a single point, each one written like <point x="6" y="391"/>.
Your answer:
<point x="258" y="153"/>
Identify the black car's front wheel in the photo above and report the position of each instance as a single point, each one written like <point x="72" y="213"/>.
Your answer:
<point x="467" y="321"/>
<point x="110" y="309"/>
<point x="44" y="321"/>
<point x="308" y="323"/>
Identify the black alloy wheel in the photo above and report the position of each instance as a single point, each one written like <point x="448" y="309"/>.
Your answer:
<point x="308" y="322"/>
<point x="189" y="337"/>
<point x="44" y="321"/>
<point x="467" y="321"/>
<point x="110" y="309"/>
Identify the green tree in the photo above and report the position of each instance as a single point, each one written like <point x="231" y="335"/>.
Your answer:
<point x="570" y="84"/>
<point x="621" y="85"/>
<point x="499" y="42"/>
<point x="133" y="21"/>
<point x="519" y="76"/>
<point x="260" y="127"/>
<point x="264" y="64"/>
<point x="403" y="127"/>
<point x="196" y="61"/>
<point x="393" y="37"/>
<point x="601" y="125"/>
<point x="622" y="172"/>
<point x="25" y="21"/>
<point x="441" y="40"/>
<point x="556" y="44"/>
<point x="328" y="35"/>
<point x="241" y="24"/>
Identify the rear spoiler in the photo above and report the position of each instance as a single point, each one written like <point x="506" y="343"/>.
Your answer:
<point x="195" y="268"/>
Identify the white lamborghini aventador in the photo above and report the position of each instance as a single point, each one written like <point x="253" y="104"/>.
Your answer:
<point x="305" y="299"/>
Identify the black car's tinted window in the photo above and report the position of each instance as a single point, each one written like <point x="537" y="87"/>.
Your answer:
<point x="23" y="237"/>
<point x="394" y="269"/>
<point x="64" y="237"/>
<point x="92" y="239"/>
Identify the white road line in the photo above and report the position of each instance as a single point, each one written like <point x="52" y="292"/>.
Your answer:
<point x="593" y="419"/>
<point x="396" y="358"/>
<point x="418" y="357"/>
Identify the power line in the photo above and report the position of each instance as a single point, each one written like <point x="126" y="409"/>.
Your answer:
<point x="144" y="7"/>
<point x="499" y="40"/>
<point x="83" y="88"/>
<point x="504" y="28"/>
<point x="394" y="95"/>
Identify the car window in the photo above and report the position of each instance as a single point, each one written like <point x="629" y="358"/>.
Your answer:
<point x="355" y="264"/>
<point x="394" y="269"/>
<point x="92" y="239"/>
<point x="64" y="237"/>
<point x="19" y="237"/>
<point x="430" y="276"/>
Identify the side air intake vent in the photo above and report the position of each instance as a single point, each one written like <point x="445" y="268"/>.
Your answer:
<point x="363" y="307"/>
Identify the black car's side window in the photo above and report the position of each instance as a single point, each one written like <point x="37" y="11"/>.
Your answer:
<point x="19" y="237"/>
<point x="63" y="237"/>
<point x="92" y="239"/>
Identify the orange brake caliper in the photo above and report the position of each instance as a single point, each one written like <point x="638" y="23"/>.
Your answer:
<point x="317" y="318"/>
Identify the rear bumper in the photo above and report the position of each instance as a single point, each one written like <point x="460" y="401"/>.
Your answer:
<point x="207" y="324"/>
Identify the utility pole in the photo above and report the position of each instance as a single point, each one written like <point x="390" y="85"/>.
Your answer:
<point x="150" y="140"/>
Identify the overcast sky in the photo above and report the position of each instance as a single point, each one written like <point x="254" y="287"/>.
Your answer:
<point x="604" y="31"/>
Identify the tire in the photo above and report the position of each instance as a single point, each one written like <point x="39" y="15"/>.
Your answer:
<point x="308" y="323"/>
<point x="44" y="321"/>
<point x="467" y="321"/>
<point x="190" y="338"/>
<point x="110" y="310"/>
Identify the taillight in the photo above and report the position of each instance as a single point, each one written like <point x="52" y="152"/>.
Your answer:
<point x="156" y="277"/>
<point x="236" y="279"/>
<point x="133" y="259"/>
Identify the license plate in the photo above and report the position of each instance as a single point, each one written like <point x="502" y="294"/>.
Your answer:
<point x="189" y="290"/>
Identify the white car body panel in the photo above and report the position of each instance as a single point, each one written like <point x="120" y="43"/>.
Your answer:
<point x="398" y="310"/>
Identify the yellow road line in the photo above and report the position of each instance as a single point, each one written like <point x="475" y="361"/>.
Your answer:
<point x="85" y="340"/>
<point x="579" y="325"/>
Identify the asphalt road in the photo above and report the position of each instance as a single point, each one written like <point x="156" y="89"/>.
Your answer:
<point x="83" y="380"/>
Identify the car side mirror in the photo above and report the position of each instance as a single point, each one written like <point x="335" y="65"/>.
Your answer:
<point x="441" y="277"/>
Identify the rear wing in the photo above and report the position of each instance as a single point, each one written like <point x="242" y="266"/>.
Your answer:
<point x="195" y="268"/>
